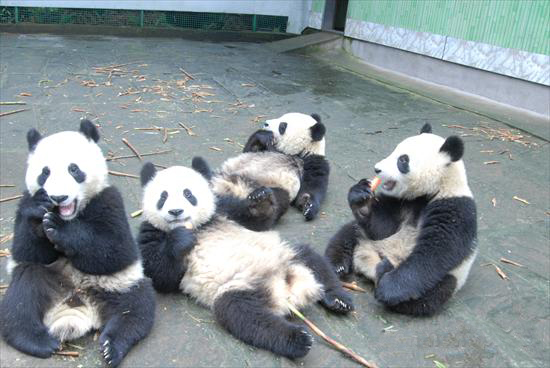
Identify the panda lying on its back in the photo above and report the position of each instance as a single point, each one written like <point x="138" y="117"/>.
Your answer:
<point x="75" y="264"/>
<point x="282" y="164"/>
<point x="416" y="237"/>
<point x="246" y="277"/>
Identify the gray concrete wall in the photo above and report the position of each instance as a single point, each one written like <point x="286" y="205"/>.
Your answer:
<point x="297" y="11"/>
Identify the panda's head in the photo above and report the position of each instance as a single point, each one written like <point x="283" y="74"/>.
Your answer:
<point x="69" y="166"/>
<point x="296" y="133"/>
<point x="176" y="196"/>
<point x="424" y="165"/>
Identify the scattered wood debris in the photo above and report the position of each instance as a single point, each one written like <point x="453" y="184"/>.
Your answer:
<point x="502" y="134"/>
<point x="487" y="151"/>
<point x="508" y="152"/>
<point x="187" y="74"/>
<point x="214" y="148"/>
<point x="491" y="162"/>
<point x="12" y="112"/>
<point x="521" y="200"/>
<point x="25" y="94"/>
<point x="132" y="148"/>
<point x="5" y="252"/>
<point x="7" y="103"/>
<point x="136" y="213"/>
<point x="494" y="202"/>
<point x="6" y="238"/>
<point x="353" y="286"/>
<point x="7" y="199"/>
<point x="438" y="364"/>
<point x="247" y="85"/>
<point x="498" y="270"/>
<point x="89" y="83"/>
<point x="188" y="129"/>
<point x="74" y="354"/>
<point x="504" y="260"/>
<point x="117" y="173"/>
<point x="390" y="328"/>
<point x="113" y="158"/>
<point x="7" y="186"/>
<point x="78" y="109"/>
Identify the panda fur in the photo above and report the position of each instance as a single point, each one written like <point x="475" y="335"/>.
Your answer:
<point x="246" y="278"/>
<point x="75" y="265"/>
<point x="416" y="237"/>
<point x="282" y="164"/>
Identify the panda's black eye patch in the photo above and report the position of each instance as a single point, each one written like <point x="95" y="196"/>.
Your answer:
<point x="162" y="199"/>
<point x="190" y="197"/>
<point x="76" y="173"/>
<point x="403" y="164"/>
<point x="43" y="176"/>
<point x="282" y="128"/>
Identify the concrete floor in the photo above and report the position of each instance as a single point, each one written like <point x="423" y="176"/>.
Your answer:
<point x="491" y="322"/>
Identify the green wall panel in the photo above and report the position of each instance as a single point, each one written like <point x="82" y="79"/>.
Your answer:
<point x="318" y="6"/>
<point x="516" y="24"/>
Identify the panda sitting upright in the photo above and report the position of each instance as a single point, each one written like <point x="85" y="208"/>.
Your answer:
<point x="416" y="236"/>
<point x="75" y="266"/>
<point x="247" y="278"/>
<point x="282" y="164"/>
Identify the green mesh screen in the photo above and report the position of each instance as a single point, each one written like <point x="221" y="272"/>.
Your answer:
<point x="138" y="18"/>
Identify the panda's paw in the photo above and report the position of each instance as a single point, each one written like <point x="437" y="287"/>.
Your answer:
<point x="37" y="343"/>
<point x="261" y="194"/>
<point x="261" y="201"/>
<point x="383" y="267"/>
<point x="308" y="205"/>
<point x="51" y="224"/>
<point x="390" y="291"/>
<point x="338" y="301"/>
<point x="180" y="241"/>
<point x="360" y="194"/>
<point x="342" y="267"/>
<point x="40" y="204"/>
<point x="299" y="343"/>
<point x="112" y="352"/>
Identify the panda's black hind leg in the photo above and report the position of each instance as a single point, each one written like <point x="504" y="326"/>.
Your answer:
<point x="245" y="314"/>
<point x="23" y="307"/>
<point x="335" y="298"/>
<point x="431" y="302"/>
<point x="128" y="318"/>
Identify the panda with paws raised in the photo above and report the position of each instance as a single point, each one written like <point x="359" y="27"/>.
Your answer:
<point x="75" y="266"/>
<point x="246" y="278"/>
<point x="416" y="236"/>
<point x="282" y="164"/>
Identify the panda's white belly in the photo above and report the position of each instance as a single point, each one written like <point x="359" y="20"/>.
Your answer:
<point x="229" y="257"/>
<point x="270" y="169"/>
<point x="74" y="311"/>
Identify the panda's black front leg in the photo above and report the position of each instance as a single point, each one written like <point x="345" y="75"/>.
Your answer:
<point x="164" y="255"/>
<point x="261" y="140"/>
<point x="55" y="230"/>
<point x="128" y="317"/>
<point x="313" y="188"/>
<point x="341" y="247"/>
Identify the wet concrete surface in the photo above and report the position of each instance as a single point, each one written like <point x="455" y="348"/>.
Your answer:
<point x="491" y="322"/>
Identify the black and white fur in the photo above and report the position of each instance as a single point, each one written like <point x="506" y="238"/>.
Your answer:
<point x="416" y="237"/>
<point x="282" y="164"/>
<point x="246" y="278"/>
<point x="75" y="265"/>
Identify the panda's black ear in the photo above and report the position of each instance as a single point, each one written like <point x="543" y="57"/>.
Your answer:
<point x="427" y="128"/>
<point x="454" y="147"/>
<point x="318" y="131"/>
<point x="148" y="171"/>
<point x="200" y="165"/>
<point x="316" y="117"/>
<point x="33" y="137"/>
<point x="89" y="130"/>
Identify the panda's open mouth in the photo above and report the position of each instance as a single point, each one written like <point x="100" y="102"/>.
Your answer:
<point x="389" y="185"/>
<point x="179" y="220"/>
<point x="67" y="210"/>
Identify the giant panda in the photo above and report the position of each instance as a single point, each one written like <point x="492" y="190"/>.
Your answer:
<point x="75" y="265"/>
<point x="416" y="235"/>
<point x="282" y="164"/>
<point x="246" y="278"/>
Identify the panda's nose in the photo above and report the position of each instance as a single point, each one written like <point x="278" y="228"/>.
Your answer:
<point x="377" y="170"/>
<point x="175" y="212"/>
<point x="59" y="198"/>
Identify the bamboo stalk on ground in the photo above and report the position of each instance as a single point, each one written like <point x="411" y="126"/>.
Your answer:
<point x="332" y="342"/>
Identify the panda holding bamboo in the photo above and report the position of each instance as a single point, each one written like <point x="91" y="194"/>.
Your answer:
<point x="416" y="235"/>
<point x="75" y="266"/>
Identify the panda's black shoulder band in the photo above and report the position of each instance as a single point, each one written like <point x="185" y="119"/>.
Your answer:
<point x="89" y="130"/>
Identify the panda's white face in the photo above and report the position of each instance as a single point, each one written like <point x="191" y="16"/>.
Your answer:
<point x="177" y="196"/>
<point x="71" y="169"/>
<point x="418" y="167"/>
<point x="292" y="134"/>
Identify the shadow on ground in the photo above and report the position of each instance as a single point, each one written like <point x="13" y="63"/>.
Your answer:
<point x="491" y="322"/>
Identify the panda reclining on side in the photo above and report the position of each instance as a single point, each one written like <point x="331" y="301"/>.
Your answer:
<point x="416" y="237"/>
<point x="76" y="266"/>
<point x="246" y="277"/>
<point x="282" y="164"/>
